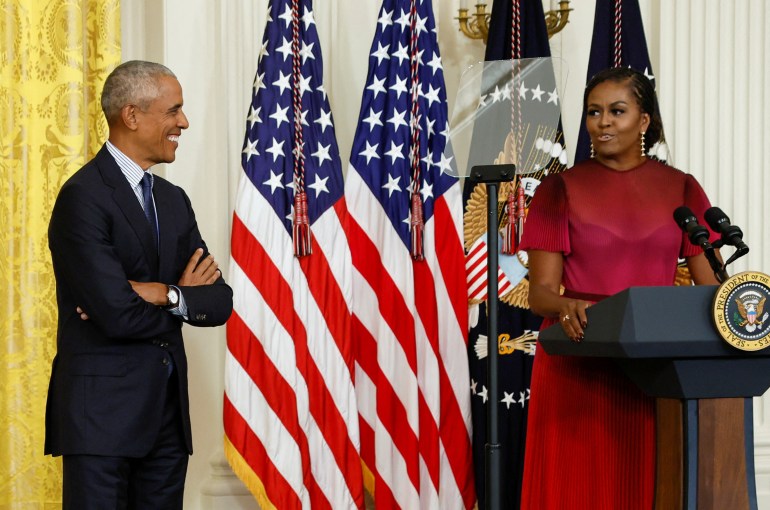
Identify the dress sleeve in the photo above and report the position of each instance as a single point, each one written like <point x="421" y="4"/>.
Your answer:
<point x="695" y="198"/>
<point x="547" y="225"/>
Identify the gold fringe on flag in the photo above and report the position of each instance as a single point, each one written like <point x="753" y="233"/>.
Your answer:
<point x="250" y="479"/>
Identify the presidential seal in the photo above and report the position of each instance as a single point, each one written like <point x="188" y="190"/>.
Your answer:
<point x="739" y="311"/>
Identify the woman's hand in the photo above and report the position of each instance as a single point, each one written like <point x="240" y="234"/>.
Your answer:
<point x="572" y="317"/>
<point x="545" y="275"/>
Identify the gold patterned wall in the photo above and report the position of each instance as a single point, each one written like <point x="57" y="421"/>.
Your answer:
<point x="54" y="57"/>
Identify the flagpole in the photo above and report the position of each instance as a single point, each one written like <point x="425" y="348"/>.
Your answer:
<point x="492" y="175"/>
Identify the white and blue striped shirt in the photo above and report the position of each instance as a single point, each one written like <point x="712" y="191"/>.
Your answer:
<point x="131" y="171"/>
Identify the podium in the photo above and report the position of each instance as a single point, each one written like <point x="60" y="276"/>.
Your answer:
<point x="664" y="341"/>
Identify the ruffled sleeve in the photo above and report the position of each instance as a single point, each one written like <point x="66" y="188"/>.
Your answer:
<point x="547" y="225"/>
<point x="695" y="198"/>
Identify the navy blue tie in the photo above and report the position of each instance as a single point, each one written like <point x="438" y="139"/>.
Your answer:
<point x="149" y="206"/>
<point x="149" y="213"/>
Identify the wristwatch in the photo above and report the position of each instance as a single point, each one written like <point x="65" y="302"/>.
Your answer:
<point x="172" y="297"/>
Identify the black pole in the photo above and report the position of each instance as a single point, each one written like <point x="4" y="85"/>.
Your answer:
<point x="719" y="269"/>
<point x="492" y="175"/>
<point x="492" y="450"/>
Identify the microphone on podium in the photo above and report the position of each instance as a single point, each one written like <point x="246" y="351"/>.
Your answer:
<point x="697" y="233"/>
<point x="732" y="235"/>
<point x="699" y="236"/>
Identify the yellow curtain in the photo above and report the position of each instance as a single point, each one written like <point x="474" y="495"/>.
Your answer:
<point x="54" y="57"/>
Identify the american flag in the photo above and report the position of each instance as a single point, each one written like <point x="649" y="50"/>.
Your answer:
<point x="290" y="416"/>
<point x="409" y="315"/>
<point x="476" y="272"/>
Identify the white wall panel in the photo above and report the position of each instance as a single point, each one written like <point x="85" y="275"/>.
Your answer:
<point x="712" y="85"/>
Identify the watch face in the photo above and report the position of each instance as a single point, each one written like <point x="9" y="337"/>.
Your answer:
<point x="173" y="296"/>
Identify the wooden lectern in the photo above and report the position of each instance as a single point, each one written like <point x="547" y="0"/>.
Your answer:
<point x="664" y="340"/>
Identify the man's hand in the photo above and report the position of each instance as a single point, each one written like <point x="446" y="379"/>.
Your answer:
<point x="152" y="292"/>
<point x="82" y="314"/>
<point x="199" y="272"/>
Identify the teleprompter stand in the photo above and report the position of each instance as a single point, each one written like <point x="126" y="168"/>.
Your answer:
<point x="492" y="175"/>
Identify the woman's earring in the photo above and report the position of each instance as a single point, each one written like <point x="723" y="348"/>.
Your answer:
<point x="643" y="147"/>
<point x="593" y="154"/>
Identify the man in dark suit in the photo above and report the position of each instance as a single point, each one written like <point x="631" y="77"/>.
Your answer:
<point x="130" y="268"/>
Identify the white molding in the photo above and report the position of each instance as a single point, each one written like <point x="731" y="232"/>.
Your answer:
<point x="222" y="489"/>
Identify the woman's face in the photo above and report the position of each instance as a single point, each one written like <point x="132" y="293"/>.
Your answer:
<point x="615" y="122"/>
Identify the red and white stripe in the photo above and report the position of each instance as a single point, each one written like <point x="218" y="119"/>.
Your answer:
<point x="476" y="273"/>
<point x="290" y="407"/>
<point x="410" y="325"/>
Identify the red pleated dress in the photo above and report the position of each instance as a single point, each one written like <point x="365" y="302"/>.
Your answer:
<point x="591" y="432"/>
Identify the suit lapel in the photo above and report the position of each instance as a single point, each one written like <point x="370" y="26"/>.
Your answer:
<point x="127" y="202"/>
<point x="167" y="231"/>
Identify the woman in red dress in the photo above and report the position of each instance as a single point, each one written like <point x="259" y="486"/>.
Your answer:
<point x="601" y="227"/>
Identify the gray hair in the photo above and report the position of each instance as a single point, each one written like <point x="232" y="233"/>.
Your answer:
<point x="132" y="82"/>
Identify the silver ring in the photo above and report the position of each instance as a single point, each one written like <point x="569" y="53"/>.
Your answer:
<point x="565" y="318"/>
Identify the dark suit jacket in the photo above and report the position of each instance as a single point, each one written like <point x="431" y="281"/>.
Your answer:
<point x="110" y="373"/>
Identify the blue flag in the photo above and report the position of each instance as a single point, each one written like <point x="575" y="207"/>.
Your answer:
<point x="618" y="41"/>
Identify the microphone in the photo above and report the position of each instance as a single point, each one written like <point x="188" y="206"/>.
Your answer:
<point x="699" y="236"/>
<point x="720" y="223"/>
<point x="697" y="233"/>
<point x="731" y="234"/>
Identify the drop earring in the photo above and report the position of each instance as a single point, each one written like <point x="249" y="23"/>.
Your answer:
<point x="593" y="154"/>
<point x="642" y="144"/>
